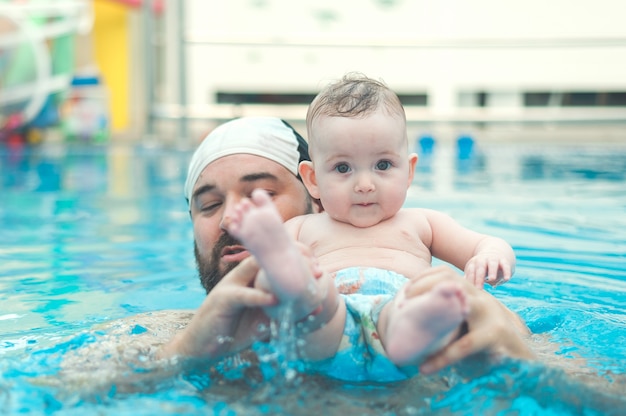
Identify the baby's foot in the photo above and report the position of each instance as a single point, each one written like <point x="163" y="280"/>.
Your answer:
<point x="259" y="226"/>
<point x="421" y="325"/>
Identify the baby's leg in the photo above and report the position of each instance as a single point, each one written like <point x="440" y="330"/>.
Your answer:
<point x="285" y="272"/>
<point x="419" y="326"/>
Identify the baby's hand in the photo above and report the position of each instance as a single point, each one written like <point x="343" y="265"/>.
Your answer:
<point x="488" y="268"/>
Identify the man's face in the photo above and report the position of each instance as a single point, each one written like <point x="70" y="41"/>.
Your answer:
<point x="221" y="185"/>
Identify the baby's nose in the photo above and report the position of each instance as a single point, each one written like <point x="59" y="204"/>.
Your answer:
<point x="364" y="183"/>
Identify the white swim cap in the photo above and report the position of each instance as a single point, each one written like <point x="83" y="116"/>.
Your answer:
<point x="268" y="137"/>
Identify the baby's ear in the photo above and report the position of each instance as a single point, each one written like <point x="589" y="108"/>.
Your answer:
<point x="412" y="163"/>
<point x="307" y="173"/>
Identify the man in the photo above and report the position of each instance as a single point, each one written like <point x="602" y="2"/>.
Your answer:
<point x="264" y="152"/>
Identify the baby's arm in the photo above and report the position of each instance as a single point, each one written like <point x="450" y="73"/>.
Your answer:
<point x="493" y="262"/>
<point x="482" y="257"/>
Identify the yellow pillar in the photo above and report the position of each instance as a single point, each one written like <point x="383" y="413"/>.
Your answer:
<point x="111" y="44"/>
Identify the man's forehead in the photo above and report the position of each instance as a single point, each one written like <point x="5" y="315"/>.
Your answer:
<point x="242" y="167"/>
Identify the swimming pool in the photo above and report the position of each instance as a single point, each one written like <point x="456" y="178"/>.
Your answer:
<point x="93" y="234"/>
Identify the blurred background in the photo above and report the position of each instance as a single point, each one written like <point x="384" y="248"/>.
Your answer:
<point x="167" y="71"/>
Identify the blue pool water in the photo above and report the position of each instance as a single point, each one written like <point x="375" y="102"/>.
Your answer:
<point x="89" y="235"/>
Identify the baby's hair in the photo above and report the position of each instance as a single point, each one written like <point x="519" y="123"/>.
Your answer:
<point x="354" y="95"/>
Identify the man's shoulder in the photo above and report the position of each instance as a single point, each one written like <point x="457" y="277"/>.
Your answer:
<point x="110" y="353"/>
<point x="161" y="322"/>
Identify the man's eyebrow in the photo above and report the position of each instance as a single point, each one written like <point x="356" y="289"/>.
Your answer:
<point x="252" y="177"/>
<point x="201" y="190"/>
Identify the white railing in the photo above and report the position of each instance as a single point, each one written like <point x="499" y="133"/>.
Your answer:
<point x="200" y="59"/>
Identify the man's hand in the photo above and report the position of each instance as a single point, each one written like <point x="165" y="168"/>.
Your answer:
<point x="229" y="320"/>
<point x="492" y="328"/>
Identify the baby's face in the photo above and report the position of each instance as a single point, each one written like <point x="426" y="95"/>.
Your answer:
<point x="362" y="166"/>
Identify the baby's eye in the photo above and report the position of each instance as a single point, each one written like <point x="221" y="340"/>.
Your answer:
<point x="383" y="165"/>
<point x="342" y="168"/>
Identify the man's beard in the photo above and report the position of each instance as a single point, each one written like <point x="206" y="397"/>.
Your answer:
<point x="209" y="269"/>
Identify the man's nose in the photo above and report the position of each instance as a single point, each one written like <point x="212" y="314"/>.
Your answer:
<point x="229" y="209"/>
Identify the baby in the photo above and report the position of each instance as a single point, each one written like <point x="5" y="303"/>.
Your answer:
<point x="367" y="245"/>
